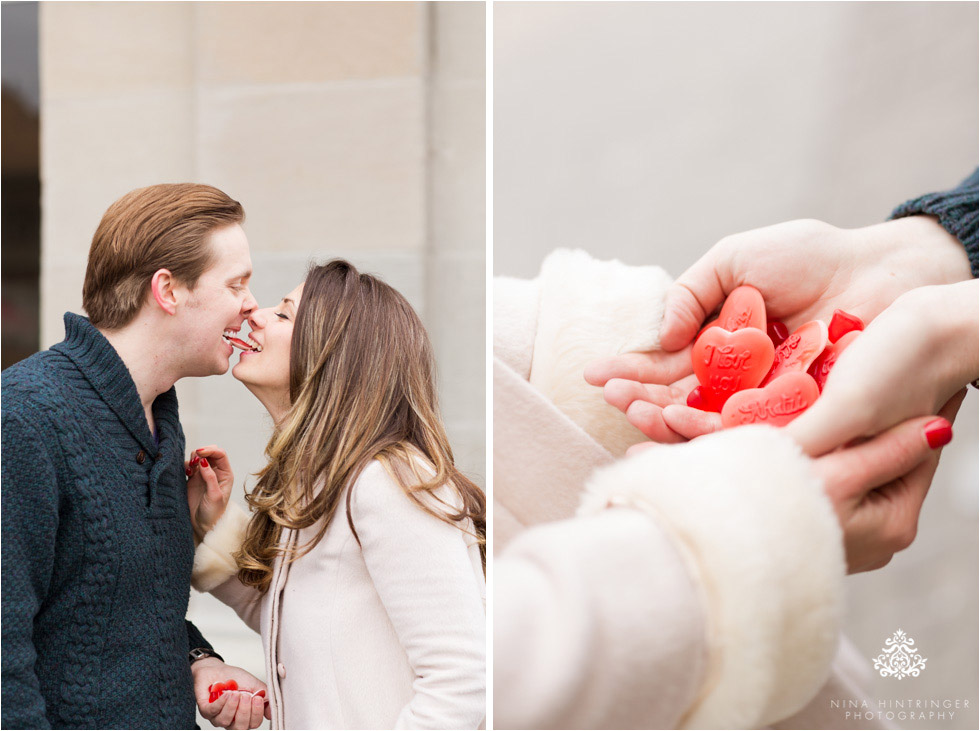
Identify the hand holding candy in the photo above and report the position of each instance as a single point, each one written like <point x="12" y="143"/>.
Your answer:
<point x="806" y="269"/>
<point x="216" y="689"/>
<point x="228" y="696"/>
<point x="908" y="362"/>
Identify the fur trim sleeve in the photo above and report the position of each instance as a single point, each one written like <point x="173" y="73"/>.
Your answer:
<point x="213" y="559"/>
<point x="591" y="309"/>
<point x="772" y="627"/>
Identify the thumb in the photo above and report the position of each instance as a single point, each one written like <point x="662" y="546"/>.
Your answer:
<point x="214" y="493"/>
<point x="690" y="299"/>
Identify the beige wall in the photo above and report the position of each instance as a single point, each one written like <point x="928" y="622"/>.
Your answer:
<point x="346" y="129"/>
<point x="647" y="131"/>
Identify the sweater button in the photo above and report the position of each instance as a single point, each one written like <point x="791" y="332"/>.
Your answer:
<point x="281" y="669"/>
<point x="141" y="456"/>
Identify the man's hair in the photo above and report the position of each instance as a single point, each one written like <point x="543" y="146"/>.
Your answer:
<point x="148" y="229"/>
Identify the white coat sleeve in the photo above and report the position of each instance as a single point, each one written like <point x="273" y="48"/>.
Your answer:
<point x="425" y="578"/>
<point x="700" y="586"/>
<point x="216" y="571"/>
<point x="597" y="624"/>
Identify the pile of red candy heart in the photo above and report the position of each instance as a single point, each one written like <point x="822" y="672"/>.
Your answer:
<point x="216" y="689"/>
<point x="754" y="371"/>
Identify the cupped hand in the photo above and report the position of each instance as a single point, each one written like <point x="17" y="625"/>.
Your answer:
<point x="232" y="709"/>
<point x="806" y="269"/>
<point x="908" y="362"/>
<point x="209" y="483"/>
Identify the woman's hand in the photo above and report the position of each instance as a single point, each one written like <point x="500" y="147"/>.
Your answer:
<point x="877" y="488"/>
<point x="209" y="483"/>
<point x="908" y="362"/>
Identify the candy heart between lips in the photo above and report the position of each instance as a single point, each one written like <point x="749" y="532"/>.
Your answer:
<point x="777" y="404"/>
<point x="726" y="362"/>
<point x="799" y="350"/>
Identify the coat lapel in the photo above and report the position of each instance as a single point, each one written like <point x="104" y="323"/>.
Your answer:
<point x="541" y="457"/>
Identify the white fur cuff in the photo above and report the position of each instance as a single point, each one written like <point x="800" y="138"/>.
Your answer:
<point x="591" y="309"/>
<point x="213" y="559"/>
<point x="763" y="540"/>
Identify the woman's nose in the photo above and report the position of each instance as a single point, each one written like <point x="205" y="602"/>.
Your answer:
<point x="257" y="318"/>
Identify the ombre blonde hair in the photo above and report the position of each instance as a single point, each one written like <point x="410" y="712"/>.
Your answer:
<point x="361" y="387"/>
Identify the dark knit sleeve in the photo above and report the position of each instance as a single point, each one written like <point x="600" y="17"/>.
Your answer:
<point x="956" y="210"/>
<point x="195" y="639"/>
<point x="30" y="524"/>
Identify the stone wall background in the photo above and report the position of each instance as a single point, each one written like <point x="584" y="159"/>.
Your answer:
<point x="648" y="131"/>
<point x="345" y="129"/>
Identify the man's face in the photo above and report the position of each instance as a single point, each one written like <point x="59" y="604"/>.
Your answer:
<point x="219" y="302"/>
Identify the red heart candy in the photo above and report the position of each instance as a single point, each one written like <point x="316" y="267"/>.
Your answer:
<point x="799" y="350"/>
<point x="777" y="332"/>
<point x="842" y="323"/>
<point x="825" y="361"/>
<point x="216" y="689"/>
<point x="744" y="307"/>
<point x="694" y="399"/>
<point x="777" y="403"/>
<point x="726" y="362"/>
<point x="713" y="323"/>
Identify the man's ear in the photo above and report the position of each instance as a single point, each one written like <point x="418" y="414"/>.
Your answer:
<point x="163" y="285"/>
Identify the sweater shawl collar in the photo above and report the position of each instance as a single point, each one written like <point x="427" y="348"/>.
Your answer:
<point x="101" y="365"/>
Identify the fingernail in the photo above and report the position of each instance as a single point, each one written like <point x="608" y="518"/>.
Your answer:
<point x="188" y="471"/>
<point x="195" y="460"/>
<point x="939" y="433"/>
<point x="204" y="462"/>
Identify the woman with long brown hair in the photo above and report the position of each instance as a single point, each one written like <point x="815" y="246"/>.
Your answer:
<point x="362" y="563"/>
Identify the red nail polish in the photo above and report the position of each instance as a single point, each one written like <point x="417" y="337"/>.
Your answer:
<point x="188" y="471"/>
<point x="939" y="433"/>
<point x="204" y="462"/>
<point x="195" y="460"/>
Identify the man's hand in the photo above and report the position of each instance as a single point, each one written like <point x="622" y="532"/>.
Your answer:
<point x="807" y="269"/>
<point x="804" y="270"/>
<point x="232" y="709"/>
<point x="209" y="483"/>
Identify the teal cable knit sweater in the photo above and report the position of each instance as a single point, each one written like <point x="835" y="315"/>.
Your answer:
<point x="956" y="210"/>
<point x="97" y="546"/>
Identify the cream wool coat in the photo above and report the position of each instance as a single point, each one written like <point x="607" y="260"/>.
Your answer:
<point x="695" y="586"/>
<point x="388" y="634"/>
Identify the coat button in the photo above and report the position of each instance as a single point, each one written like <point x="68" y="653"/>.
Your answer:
<point x="141" y="456"/>
<point x="281" y="669"/>
<point x="159" y="455"/>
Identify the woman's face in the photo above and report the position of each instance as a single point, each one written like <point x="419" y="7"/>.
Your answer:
<point x="265" y="368"/>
